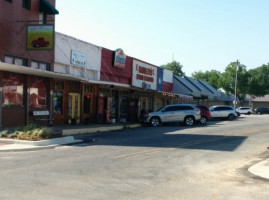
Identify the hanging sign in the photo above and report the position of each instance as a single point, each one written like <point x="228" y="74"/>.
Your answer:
<point x="120" y="58"/>
<point x="40" y="37"/>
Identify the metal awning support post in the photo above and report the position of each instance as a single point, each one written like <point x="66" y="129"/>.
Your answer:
<point x="235" y="87"/>
<point x="1" y="104"/>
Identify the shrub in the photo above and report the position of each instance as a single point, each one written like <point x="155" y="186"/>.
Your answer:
<point x="45" y="133"/>
<point x="34" y="133"/>
<point x="4" y="133"/>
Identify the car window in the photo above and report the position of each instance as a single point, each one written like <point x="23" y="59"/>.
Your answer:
<point x="186" y="108"/>
<point x="170" y="108"/>
<point x="218" y="108"/>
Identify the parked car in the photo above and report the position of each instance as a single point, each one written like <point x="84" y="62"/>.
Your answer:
<point x="262" y="110"/>
<point x="174" y="113"/>
<point x="223" y="111"/>
<point x="205" y="114"/>
<point x="244" y="110"/>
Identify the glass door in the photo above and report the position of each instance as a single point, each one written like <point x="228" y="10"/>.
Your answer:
<point x="74" y="105"/>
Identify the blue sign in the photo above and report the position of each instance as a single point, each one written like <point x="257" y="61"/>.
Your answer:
<point x="160" y="79"/>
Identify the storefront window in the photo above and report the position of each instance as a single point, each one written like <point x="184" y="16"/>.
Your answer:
<point x="39" y="65"/>
<point x="38" y="94"/>
<point x="12" y="90"/>
<point x="15" y="60"/>
<point x="57" y="102"/>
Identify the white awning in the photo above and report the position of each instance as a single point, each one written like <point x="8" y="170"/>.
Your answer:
<point x="38" y="72"/>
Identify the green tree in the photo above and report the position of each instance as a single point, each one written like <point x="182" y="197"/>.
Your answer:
<point x="175" y="67"/>
<point x="258" y="81"/>
<point x="228" y="77"/>
<point x="212" y="77"/>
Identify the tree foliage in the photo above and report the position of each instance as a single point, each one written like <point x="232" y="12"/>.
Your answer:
<point x="258" y="81"/>
<point x="228" y="78"/>
<point x="175" y="67"/>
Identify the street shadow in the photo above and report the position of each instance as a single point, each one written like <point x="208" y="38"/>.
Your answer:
<point x="165" y="136"/>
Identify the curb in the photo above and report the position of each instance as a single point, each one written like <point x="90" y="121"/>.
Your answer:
<point x="23" y="145"/>
<point x="260" y="169"/>
<point x="54" y="141"/>
<point x="98" y="129"/>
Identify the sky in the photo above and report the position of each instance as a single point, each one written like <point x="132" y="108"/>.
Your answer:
<point x="200" y="34"/>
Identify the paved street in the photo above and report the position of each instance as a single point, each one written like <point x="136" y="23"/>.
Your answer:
<point x="166" y="162"/>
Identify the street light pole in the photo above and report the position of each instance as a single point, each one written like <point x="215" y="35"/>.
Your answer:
<point x="235" y="87"/>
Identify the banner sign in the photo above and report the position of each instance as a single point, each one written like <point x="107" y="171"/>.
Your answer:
<point x="40" y="37"/>
<point x="144" y="75"/>
<point x="78" y="59"/>
<point x="120" y="58"/>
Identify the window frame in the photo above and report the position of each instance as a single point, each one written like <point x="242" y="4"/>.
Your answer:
<point x="14" y="60"/>
<point x="19" y="79"/>
<point x="39" y="65"/>
<point x="38" y="97"/>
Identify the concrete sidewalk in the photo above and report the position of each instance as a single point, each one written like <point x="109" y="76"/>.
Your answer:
<point x="260" y="169"/>
<point x="23" y="145"/>
<point x="68" y="132"/>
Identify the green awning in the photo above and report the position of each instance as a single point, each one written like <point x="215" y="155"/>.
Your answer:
<point x="47" y="8"/>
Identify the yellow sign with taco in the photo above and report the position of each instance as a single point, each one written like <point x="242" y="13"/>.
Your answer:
<point x="40" y="37"/>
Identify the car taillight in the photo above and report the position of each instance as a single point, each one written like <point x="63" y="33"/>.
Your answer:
<point x="198" y="111"/>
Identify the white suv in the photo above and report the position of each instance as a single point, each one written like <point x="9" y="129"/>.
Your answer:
<point x="244" y="110"/>
<point x="223" y="111"/>
<point x="174" y="113"/>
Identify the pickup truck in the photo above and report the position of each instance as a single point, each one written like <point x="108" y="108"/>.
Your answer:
<point x="40" y="42"/>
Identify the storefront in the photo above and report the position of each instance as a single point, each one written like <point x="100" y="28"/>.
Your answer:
<point x="113" y="105"/>
<point x="75" y="101"/>
<point x="32" y="95"/>
<point x="144" y="78"/>
<point x="115" y="95"/>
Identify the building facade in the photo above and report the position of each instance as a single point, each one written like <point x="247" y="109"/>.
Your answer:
<point x="26" y="50"/>
<point x="74" y="101"/>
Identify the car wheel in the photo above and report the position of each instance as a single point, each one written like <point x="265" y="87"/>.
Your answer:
<point x="231" y="117"/>
<point x="189" y="120"/>
<point x="203" y="120"/>
<point x="249" y="113"/>
<point x="155" y="121"/>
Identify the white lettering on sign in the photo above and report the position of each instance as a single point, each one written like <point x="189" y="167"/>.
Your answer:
<point x="39" y="113"/>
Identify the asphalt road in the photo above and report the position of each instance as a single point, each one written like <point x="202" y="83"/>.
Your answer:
<point x="166" y="162"/>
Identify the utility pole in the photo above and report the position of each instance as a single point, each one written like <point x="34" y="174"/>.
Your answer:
<point x="235" y="87"/>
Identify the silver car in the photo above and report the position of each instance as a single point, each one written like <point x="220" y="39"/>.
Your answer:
<point x="174" y="113"/>
<point x="244" y="110"/>
<point x="223" y="111"/>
